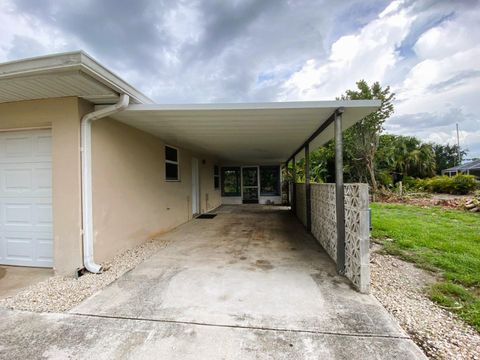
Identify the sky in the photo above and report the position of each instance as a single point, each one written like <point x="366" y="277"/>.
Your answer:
<point x="179" y="51"/>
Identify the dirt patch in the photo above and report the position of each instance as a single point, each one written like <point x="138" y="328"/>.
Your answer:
<point x="445" y="201"/>
<point x="3" y="272"/>
<point x="400" y="287"/>
<point x="264" y="264"/>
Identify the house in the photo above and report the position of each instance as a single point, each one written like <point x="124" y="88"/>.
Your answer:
<point x="469" y="168"/>
<point x="90" y="166"/>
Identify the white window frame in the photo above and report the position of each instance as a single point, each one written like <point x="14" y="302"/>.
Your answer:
<point x="172" y="162"/>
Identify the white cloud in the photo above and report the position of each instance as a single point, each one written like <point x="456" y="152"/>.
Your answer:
<point x="449" y="38"/>
<point x="369" y="55"/>
<point x="440" y="74"/>
<point x="446" y="77"/>
<point x="21" y="35"/>
<point x="193" y="51"/>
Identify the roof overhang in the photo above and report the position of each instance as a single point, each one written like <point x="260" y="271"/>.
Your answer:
<point x="471" y="165"/>
<point x="254" y="133"/>
<point x="60" y="75"/>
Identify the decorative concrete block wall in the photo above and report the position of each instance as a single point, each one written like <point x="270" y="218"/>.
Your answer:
<point x="324" y="221"/>
<point x="357" y="236"/>
<point x="301" y="203"/>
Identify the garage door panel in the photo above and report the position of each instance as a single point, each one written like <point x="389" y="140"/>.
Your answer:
<point x="45" y="248"/>
<point x="43" y="146"/>
<point x="42" y="179"/>
<point x="26" y="234"/>
<point x="43" y="215"/>
<point x="18" y="146"/>
<point x="26" y="214"/>
<point x="17" y="215"/>
<point x="17" y="180"/>
<point x="34" y="179"/>
<point x="19" y="246"/>
<point x="2" y="248"/>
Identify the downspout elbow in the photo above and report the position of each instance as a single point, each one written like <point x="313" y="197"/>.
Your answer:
<point x="86" y="171"/>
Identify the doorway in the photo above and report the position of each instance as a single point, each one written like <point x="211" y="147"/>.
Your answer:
<point x="195" y="187"/>
<point x="250" y="185"/>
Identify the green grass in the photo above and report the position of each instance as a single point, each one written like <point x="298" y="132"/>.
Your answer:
<point x="447" y="241"/>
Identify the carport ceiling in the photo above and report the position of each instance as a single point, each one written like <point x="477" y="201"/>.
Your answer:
<point x="261" y="133"/>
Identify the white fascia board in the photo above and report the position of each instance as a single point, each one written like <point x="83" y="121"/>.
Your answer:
<point x="334" y="104"/>
<point x="99" y="72"/>
<point x="40" y="65"/>
<point x="68" y="62"/>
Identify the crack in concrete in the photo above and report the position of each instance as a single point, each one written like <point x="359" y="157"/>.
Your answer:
<point x="245" y="327"/>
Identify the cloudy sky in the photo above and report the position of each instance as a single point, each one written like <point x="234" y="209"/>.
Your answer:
<point x="179" y="51"/>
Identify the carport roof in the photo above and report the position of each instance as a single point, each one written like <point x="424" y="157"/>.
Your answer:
<point x="245" y="133"/>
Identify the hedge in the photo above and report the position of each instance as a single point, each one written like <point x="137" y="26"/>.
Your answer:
<point x="458" y="184"/>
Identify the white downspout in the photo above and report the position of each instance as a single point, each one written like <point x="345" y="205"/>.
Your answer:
<point x="86" y="157"/>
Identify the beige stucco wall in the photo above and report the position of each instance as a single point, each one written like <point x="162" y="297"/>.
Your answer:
<point x="210" y="197"/>
<point x="62" y="115"/>
<point x="131" y="199"/>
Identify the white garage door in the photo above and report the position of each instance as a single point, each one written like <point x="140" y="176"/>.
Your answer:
<point x="26" y="198"/>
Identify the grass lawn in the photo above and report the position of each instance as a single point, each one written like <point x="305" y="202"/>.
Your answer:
<point x="442" y="240"/>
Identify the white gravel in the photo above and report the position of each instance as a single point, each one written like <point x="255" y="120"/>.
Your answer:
<point x="61" y="293"/>
<point x="400" y="287"/>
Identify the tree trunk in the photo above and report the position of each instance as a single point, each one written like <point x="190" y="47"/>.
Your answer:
<point x="371" y="172"/>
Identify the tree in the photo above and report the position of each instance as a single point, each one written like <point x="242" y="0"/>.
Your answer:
<point x="421" y="162"/>
<point x="447" y="156"/>
<point x="361" y="140"/>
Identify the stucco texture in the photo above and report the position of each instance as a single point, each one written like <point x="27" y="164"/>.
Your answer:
<point x="63" y="116"/>
<point x="132" y="201"/>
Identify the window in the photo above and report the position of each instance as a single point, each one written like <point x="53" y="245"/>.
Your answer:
<point x="231" y="181"/>
<point x="269" y="180"/>
<point x="171" y="164"/>
<point x="216" y="177"/>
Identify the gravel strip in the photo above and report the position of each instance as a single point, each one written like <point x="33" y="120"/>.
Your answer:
<point x="400" y="287"/>
<point x="62" y="293"/>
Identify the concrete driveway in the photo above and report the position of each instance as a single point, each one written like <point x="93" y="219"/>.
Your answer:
<point x="248" y="284"/>
<point x="14" y="278"/>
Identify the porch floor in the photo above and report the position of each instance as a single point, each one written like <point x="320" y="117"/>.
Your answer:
<point x="252" y="270"/>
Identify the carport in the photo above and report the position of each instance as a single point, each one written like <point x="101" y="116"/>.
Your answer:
<point x="50" y="172"/>
<point x="250" y="283"/>
<point x="274" y="134"/>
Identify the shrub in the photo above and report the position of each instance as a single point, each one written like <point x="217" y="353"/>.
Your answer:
<point x="440" y="184"/>
<point x="464" y="184"/>
<point x="458" y="184"/>
<point x="385" y="179"/>
<point x="411" y="183"/>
